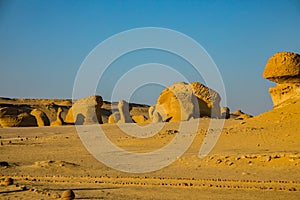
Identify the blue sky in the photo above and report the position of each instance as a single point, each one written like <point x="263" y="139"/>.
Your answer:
<point x="43" y="43"/>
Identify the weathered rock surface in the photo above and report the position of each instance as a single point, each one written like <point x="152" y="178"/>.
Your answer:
<point x="114" y="118"/>
<point x="139" y="118"/>
<point x="16" y="117"/>
<point x="177" y="103"/>
<point x="59" y="121"/>
<point x="41" y="117"/>
<point x="225" y="113"/>
<point x="86" y="111"/>
<point x="123" y="107"/>
<point x="208" y="100"/>
<point x="284" y="69"/>
<point x="182" y="101"/>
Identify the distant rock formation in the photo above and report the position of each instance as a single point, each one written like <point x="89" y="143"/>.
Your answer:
<point x="16" y="117"/>
<point x="123" y="107"/>
<point x="283" y="68"/>
<point x="225" y="113"/>
<point x="86" y="111"/>
<point x="41" y="117"/>
<point x="59" y="120"/>
<point x="240" y="115"/>
<point x="114" y="118"/>
<point x="139" y="118"/>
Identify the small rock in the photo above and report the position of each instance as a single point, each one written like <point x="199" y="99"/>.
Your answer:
<point x="4" y="164"/>
<point x="218" y="161"/>
<point x="68" y="195"/>
<point x="8" y="181"/>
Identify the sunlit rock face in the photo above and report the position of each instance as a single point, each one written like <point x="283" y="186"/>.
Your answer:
<point x="283" y="68"/>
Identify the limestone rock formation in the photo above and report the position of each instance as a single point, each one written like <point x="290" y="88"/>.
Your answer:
<point x="196" y="100"/>
<point x="284" y="69"/>
<point x="59" y="121"/>
<point x="176" y="103"/>
<point x="139" y="118"/>
<point x="114" y="118"/>
<point x="225" y="113"/>
<point x="123" y="107"/>
<point x="86" y="111"/>
<point x="41" y="117"/>
<point x="16" y="117"/>
<point x="208" y="100"/>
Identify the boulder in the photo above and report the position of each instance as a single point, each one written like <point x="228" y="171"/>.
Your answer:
<point x="284" y="69"/>
<point x="41" y="117"/>
<point x="86" y="111"/>
<point x="176" y="103"/>
<point x="208" y="100"/>
<point x="123" y="107"/>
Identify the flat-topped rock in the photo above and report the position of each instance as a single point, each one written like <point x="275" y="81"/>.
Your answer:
<point x="283" y="67"/>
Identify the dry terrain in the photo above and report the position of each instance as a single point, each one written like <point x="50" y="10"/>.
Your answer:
<point x="255" y="158"/>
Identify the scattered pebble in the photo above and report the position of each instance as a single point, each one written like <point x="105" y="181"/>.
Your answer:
<point x="8" y="181"/>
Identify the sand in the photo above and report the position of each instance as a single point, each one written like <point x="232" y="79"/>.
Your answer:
<point x="256" y="158"/>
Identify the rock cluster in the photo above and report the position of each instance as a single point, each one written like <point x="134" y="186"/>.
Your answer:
<point x="283" y="68"/>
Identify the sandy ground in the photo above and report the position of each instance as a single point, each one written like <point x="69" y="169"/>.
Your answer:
<point x="257" y="158"/>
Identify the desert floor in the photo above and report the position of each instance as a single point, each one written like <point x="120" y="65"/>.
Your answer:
<point x="256" y="158"/>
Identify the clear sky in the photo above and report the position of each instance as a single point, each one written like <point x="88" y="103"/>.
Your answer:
<point x="43" y="43"/>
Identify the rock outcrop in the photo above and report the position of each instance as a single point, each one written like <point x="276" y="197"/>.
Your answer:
<point x="208" y="100"/>
<point x="114" y="118"/>
<point x="225" y="113"/>
<point x="283" y="68"/>
<point x="41" y="117"/>
<point x="139" y="118"/>
<point x="123" y="107"/>
<point x="59" y="120"/>
<point x="176" y="103"/>
<point x="182" y="101"/>
<point x="16" y="117"/>
<point x="86" y="111"/>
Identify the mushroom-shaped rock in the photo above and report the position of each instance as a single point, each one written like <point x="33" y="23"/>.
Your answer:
<point x="208" y="100"/>
<point x="41" y="117"/>
<point x="284" y="69"/>
<point x="176" y="103"/>
<point x="86" y="111"/>
<point x="68" y="195"/>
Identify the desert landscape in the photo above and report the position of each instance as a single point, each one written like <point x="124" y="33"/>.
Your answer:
<point x="256" y="157"/>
